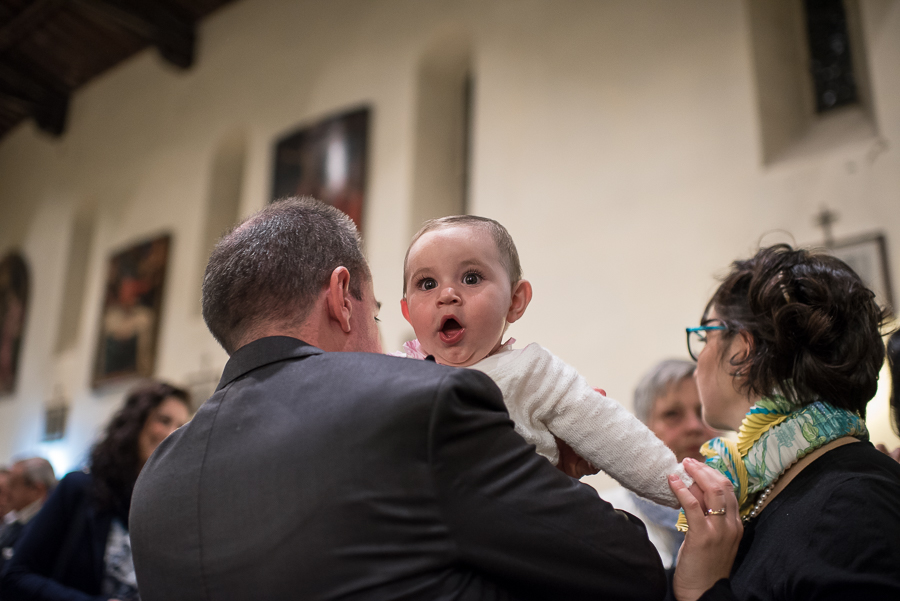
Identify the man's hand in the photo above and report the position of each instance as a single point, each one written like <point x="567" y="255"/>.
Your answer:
<point x="895" y="454"/>
<point x="571" y="463"/>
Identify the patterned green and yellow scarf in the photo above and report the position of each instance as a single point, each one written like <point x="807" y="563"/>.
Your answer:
<point x="774" y="435"/>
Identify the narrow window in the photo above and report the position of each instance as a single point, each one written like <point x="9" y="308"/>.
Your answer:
<point x="830" y="61"/>
<point x="468" y="124"/>
<point x="444" y="118"/>
<point x="79" y="254"/>
<point x="223" y="201"/>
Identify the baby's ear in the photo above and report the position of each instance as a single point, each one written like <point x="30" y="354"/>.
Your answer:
<point x="404" y="308"/>
<point x="521" y="296"/>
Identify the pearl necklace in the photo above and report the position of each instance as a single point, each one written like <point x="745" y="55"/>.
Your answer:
<point x="759" y="503"/>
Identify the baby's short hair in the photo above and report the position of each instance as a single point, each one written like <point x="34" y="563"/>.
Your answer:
<point x="509" y="256"/>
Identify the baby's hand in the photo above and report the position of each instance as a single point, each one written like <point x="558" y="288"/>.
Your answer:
<point x="694" y="489"/>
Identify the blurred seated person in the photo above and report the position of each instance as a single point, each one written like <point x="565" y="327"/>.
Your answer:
<point x="4" y="493"/>
<point x="667" y="401"/>
<point x="893" y="358"/>
<point x="30" y="483"/>
<point x="78" y="547"/>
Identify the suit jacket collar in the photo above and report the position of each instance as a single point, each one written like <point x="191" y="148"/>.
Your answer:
<point x="262" y="352"/>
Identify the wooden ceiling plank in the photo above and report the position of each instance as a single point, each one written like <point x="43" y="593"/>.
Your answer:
<point x="47" y="97"/>
<point x="26" y="22"/>
<point x="49" y="48"/>
<point x="80" y="47"/>
<point x="172" y="34"/>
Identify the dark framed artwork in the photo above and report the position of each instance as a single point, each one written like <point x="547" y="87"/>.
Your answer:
<point x="14" y="286"/>
<point x="328" y="161"/>
<point x="867" y="256"/>
<point x="129" y="323"/>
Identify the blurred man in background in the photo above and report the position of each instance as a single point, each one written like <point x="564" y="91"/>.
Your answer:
<point x="4" y="492"/>
<point x="30" y="483"/>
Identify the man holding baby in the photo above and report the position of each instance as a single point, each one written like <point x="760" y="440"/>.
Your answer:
<point x="323" y="469"/>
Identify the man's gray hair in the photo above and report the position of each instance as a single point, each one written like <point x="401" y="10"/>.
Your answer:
<point x="37" y="471"/>
<point x="271" y="268"/>
<point x="657" y="382"/>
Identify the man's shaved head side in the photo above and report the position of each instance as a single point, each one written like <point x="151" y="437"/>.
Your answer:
<point x="271" y="268"/>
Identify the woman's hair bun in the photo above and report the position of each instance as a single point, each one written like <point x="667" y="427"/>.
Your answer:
<point x="816" y="328"/>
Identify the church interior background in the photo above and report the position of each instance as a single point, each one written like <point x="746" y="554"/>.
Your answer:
<point x="632" y="149"/>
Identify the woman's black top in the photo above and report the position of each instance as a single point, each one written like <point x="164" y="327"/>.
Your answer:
<point x="832" y="533"/>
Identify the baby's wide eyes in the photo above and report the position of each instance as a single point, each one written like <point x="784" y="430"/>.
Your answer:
<point x="471" y="279"/>
<point x="428" y="284"/>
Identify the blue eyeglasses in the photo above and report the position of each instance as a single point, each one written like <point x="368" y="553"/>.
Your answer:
<point x="696" y="338"/>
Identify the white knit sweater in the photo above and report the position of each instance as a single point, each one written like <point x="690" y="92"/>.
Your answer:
<point x="547" y="397"/>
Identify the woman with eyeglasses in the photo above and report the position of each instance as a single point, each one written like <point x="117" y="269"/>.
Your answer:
<point x="788" y="354"/>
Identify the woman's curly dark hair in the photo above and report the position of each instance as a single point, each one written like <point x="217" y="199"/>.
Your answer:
<point x="816" y="328"/>
<point x="115" y="461"/>
<point x="893" y="354"/>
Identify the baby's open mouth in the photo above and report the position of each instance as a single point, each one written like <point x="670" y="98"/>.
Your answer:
<point x="451" y="331"/>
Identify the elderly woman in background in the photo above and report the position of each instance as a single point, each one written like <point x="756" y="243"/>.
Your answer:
<point x="667" y="401"/>
<point x="788" y="353"/>
<point x="77" y="547"/>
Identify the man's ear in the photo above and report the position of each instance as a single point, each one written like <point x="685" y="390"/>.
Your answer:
<point x="404" y="308"/>
<point x="338" y="296"/>
<point x="521" y="296"/>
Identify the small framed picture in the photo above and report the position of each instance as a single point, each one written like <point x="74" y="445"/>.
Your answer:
<point x="55" y="423"/>
<point x="867" y="256"/>
<point x="129" y="324"/>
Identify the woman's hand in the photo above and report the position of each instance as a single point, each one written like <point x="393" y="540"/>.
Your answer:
<point x="711" y="542"/>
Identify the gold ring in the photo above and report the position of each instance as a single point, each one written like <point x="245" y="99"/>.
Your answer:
<point x="715" y="512"/>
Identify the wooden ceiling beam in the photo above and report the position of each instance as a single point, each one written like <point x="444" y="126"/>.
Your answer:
<point x="27" y="21"/>
<point x="173" y="35"/>
<point x="41" y="95"/>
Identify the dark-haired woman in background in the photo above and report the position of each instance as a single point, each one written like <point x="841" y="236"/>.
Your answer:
<point x="788" y="354"/>
<point x="77" y="547"/>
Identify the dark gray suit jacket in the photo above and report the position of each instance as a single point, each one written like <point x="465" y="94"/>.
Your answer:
<point x="312" y="475"/>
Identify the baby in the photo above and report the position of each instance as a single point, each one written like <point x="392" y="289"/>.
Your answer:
<point x="462" y="287"/>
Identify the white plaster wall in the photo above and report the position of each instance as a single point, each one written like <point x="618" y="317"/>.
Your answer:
<point x="618" y="141"/>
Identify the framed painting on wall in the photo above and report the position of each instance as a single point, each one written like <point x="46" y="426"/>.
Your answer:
<point x="326" y="160"/>
<point x="13" y="309"/>
<point x="129" y="324"/>
<point x="867" y="256"/>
